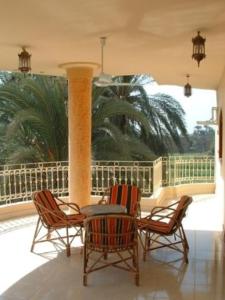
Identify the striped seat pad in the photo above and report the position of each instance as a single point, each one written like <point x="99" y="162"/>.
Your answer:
<point x="126" y="195"/>
<point x="152" y="225"/>
<point x="70" y="221"/>
<point x="76" y="218"/>
<point x="172" y="222"/>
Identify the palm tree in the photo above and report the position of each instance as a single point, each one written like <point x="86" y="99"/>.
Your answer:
<point x="36" y="117"/>
<point x="35" y="122"/>
<point x="127" y="123"/>
<point x="166" y="117"/>
<point x="110" y="140"/>
<point x="165" y="128"/>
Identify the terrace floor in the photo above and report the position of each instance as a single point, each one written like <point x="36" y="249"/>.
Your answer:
<point x="51" y="275"/>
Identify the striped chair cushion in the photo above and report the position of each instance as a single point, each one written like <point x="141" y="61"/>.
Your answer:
<point x="126" y="195"/>
<point x="168" y="224"/>
<point x="179" y="211"/>
<point x="45" y="202"/>
<point x="155" y="226"/>
<point x="70" y="220"/>
<point x="111" y="232"/>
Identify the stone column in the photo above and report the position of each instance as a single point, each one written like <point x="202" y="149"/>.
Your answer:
<point x="79" y="119"/>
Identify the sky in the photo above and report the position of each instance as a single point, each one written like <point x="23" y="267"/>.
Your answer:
<point x="197" y="107"/>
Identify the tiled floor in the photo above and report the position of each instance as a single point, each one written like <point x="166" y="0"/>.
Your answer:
<point x="51" y="275"/>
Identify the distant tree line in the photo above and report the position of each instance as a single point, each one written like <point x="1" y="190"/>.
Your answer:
<point x="202" y="140"/>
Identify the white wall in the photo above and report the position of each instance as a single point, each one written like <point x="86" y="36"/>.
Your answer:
<point x="220" y="164"/>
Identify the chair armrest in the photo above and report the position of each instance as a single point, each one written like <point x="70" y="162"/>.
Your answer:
<point x="158" y="209"/>
<point x="60" y="201"/>
<point x="161" y="213"/>
<point x="162" y="209"/>
<point x="74" y="206"/>
<point x="55" y="213"/>
<point x="71" y="205"/>
<point x="102" y="201"/>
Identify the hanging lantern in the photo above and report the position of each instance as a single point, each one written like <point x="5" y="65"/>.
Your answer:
<point x="24" y="61"/>
<point x="198" y="48"/>
<point x="187" y="88"/>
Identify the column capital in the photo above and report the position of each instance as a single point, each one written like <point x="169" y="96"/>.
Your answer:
<point x="79" y="64"/>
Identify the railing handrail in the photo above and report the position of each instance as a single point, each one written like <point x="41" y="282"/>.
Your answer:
<point x="19" y="181"/>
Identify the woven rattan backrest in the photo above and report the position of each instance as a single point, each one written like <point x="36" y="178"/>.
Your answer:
<point x="110" y="231"/>
<point x="126" y="195"/>
<point x="47" y="207"/>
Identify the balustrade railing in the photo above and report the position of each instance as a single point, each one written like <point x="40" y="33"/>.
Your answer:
<point x="106" y="173"/>
<point x="187" y="169"/>
<point x="18" y="182"/>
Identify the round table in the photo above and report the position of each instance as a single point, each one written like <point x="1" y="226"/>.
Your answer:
<point x="102" y="209"/>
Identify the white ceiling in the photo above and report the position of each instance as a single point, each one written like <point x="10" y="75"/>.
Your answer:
<point x="145" y="36"/>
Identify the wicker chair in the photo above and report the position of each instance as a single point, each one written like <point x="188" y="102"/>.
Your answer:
<point x="163" y="228"/>
<point x="123" y="194"/>
<point x="53" y="223"/>
<point x="113" y="236"/>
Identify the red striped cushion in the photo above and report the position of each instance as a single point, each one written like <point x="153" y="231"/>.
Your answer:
<point x="76" y="218"/>
<point x="47" y="200"/>
<point x="110" y="232"/>
<point x="163" y="227"/>
<point x="179" y="211"/>
<point x="155" y="226"/>
<point x="70" y="220"/>
<point x="126" y="195"/>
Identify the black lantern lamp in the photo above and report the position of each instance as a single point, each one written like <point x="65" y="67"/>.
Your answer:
<point x="187" y="88"/>
<point x="198" y="48"/>
<point x="24" y="61"/>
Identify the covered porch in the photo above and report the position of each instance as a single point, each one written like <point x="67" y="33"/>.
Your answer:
<point x="143" y="37"/>
<point x="141" y="40"/>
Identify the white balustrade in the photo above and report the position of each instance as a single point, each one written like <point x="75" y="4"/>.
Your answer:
<point x="18" y="182"/>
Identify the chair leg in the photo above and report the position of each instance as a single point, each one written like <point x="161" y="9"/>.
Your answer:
<point x="49" y="234"/>
<point x="84" y="280"/>
<point x="136" y="264"/>
<point x="105" y="255"/>
<point x="185" y="253"/>
<point x="35" y="234"/>
<point x="146" y="244"/>
<point x="68" y="252"/>
<point x="185" y="238"/>
<point x="184" y="243"/>
<point x="82" y="235"/>
<point x="85" y="259"/>
<point x="137" y="279"/>
<point x="139" y="235"/>
<point x="67" y="242"/>
<point x="144" y="253"/>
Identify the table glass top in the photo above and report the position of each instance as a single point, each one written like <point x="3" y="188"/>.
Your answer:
<point x="102" y="209"/>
